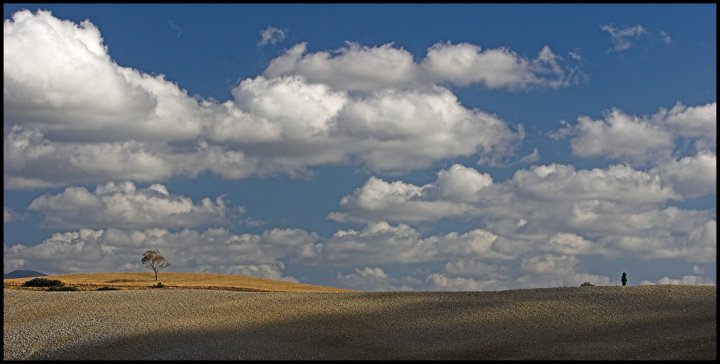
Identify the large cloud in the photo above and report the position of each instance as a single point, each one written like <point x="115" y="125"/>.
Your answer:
<point x="124" y="206"/>
<point x="460" y="191"/>
<point x="472" y="260"/>
<point x="58" y="76"/>
<point x="74" y="116"/>
<point x="557" y="209"/>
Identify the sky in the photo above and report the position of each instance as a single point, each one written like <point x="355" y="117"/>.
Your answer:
<point x="375" y="147"/>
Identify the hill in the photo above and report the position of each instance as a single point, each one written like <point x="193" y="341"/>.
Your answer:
<point x="23" y="274"/>
<point x="138" y="280"/>
<point x="573" y="323"/>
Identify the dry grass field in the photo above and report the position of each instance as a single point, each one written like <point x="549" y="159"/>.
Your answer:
<point x="634" y="322"/>
<point x="139" y="280"/>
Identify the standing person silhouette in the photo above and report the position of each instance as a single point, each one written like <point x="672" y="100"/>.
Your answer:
<point x="624" y="279"/>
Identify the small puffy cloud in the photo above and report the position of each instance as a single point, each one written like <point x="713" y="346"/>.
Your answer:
<point x="691" y="176"/>
<point x="554" y="271"/>
<point x="695" y="242"/>
<point x="270" y="271"/>
<point x="381" y="242"/>
<point x="665" y="37"/>
<point x="8" y="214"/>
<point x="693" y="122"/>
<point x="448" y="196"/>
<point x="685" y="280"/>
<point x="351" y="68"/>
<point x="620" y="136"/>
<point x="623" y="38"/>
<point x="362" y="68"/>
<point x="122" y="205"/>
<point x="569" y="244"/>
<point x="176" y="28"/>
<point x="468" y="267"/>
<point x="460" y="184"/>
<point x="639" y="139"/>
<point x="575" y="54"/>
<point x="302" y="109"/>
<point x="464" y="64"/>
<point x="442" y="282"/>
<point x="614" y="183"/>
<point x="271" y="35"/>
<point x="380" y="200"/>
<point x="375" y="279"/>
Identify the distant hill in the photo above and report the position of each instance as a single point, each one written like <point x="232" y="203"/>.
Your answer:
<point x="23" y="274"/>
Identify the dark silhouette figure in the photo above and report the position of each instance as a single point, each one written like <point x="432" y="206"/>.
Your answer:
<point x="624" y="279"/>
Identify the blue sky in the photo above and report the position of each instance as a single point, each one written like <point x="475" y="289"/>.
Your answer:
<point x="369" y="146"/>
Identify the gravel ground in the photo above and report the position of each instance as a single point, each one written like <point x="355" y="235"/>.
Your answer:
<point x="638" y="322"/>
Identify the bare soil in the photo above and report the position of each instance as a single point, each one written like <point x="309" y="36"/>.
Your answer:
<point x="634" y="322"/>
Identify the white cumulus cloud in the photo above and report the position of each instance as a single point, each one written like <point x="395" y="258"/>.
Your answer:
<point x="449" y="196"/>
<point x="74" y="116"/>
<point x="685" y="280"/>
<point x="611" y="212"/>
<point x="363" y="68"/>
<point x="122" y="205"/>
<point x="638" y="139"/>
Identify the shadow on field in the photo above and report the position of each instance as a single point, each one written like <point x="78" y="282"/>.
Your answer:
<point x="599" y="324"/>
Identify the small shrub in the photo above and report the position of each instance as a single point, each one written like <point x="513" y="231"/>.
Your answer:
<point x="158" y="285"/>
<point x="107" y="288"/>
<point x="587" y="284"/>
<point x="63" y="288"/>
<point x="43" y="282"/>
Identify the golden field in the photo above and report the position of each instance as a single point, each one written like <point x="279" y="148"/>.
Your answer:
<point x="141" y="280"/>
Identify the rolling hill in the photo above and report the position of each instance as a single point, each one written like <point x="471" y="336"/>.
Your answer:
<point x="23" y="274"/>
<point x="666" y="322"/>
<point x="139" y="280"/>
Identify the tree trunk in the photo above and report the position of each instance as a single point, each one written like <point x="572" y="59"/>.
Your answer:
<point x="155" y="276"/>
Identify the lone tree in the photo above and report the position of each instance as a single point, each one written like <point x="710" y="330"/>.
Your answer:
<point x="153" y="260"/>
<point x="624" y="279"/>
